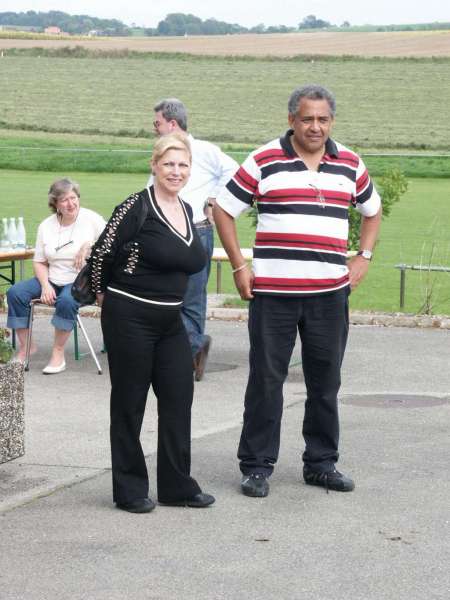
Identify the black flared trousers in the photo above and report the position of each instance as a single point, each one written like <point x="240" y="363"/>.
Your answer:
<point x="322" y="322"/>
<point x="148" y="346"/>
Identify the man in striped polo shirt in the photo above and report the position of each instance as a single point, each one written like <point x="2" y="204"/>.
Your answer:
<point x="302" y="185"/>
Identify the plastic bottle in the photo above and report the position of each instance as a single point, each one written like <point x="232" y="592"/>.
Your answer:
<point x="21" y="234"/>
<point x="12" y="232"/>
<point x="4" y="240"/>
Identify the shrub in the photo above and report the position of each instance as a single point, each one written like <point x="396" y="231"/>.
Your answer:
<point x="392" y="187"/>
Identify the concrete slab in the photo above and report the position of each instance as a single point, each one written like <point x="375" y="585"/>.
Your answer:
<point x="61" y="538"/>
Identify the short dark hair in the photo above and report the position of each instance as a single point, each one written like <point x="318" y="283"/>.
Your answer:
<point x="173" y="109"/>
<point x="313" y="92"/>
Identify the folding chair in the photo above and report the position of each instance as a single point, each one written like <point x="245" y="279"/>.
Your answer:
<point x="35" y="303"/>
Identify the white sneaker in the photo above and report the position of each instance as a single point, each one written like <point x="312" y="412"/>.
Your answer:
<point x="49" y="370"/>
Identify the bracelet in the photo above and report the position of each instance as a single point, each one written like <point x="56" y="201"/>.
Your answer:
<point x="239" y="268"/>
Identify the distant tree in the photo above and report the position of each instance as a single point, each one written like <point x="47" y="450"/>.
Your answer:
<point x="193" y="29"/>
<point x="345" y="24"/>
<point x="311" y="22"/>
<point x="179" y="24"/>
<point x="214" y="27"/>
<point x="163" y="28"/>
<point x="279" y="29"/>
<point x="260" y="28"/>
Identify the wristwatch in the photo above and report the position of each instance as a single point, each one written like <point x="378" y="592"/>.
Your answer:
<point x="367" y="254"/>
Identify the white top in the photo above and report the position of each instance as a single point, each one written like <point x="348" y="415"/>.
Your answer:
<point x="51" y="236"/>
<point x="211" y="171"/>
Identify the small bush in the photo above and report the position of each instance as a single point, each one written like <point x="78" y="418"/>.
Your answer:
<point x="392" y="187"/>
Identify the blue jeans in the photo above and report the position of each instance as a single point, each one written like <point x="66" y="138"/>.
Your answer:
<point x="20" y="295"/>
<point x="193" y="312"/>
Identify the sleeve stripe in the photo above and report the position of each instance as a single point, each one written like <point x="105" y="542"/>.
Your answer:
<point x="246" y="180"/>
<point x="366" y="194"/>
<point x="362" y="182"/>
<point x="239" y="193"/>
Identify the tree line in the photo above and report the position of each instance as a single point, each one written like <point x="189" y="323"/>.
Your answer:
<point x="73" y="24"/>
<point x="175" y="24"/>
<point x="180" y="24"/>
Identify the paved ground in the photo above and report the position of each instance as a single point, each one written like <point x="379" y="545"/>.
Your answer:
<point x="61" y="538"/>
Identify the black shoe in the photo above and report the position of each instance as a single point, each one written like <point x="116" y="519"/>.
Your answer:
<point x="201" y="359"/>
<point x="200" y="500"/>
<point x="255" y="485"/>
<point x="330" y="480"/>
<point x="141" y="505"/>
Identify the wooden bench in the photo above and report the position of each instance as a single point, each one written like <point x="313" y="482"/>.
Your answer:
<point x="404" y="267"/>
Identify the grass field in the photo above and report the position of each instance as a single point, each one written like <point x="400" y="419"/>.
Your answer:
<point x="411" y="43"/>
<point x="416" y="232"/>
<point x="90" y="117"/>
<point x="36" y="151"/>
<point x="393" y="104"/>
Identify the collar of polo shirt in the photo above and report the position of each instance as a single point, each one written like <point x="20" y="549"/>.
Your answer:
<point x="286" y="144"/>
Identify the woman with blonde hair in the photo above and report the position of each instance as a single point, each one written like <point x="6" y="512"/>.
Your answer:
<point x="140" y="268"/>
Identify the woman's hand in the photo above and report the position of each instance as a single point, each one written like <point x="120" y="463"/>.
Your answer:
<point x="81" y="256"/>
<point x="48" y="295"/>
<point x="100" y="298"/>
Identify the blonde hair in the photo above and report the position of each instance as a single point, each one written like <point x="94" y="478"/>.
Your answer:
<point x="60" y="188"/>
<point x="171" y="141"/>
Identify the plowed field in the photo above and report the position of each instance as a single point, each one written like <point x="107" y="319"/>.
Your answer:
<point x="388" y="44"/>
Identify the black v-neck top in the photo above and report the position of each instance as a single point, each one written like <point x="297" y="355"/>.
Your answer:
<point x="151" y="264"/>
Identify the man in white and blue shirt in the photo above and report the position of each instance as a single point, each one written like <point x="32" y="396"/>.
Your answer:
<point x="211" y="170"/>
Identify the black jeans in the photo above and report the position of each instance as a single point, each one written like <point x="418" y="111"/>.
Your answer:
<point x="322" y="322"/>
<point x="146" y="346"/>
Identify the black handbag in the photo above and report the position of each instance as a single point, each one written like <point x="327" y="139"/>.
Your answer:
<point x="82" y="288"/>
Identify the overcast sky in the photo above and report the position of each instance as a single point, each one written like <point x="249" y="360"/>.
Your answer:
<point x="247" y="12"/>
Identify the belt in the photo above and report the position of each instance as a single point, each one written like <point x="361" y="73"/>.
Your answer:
<point x="202" y="224"/>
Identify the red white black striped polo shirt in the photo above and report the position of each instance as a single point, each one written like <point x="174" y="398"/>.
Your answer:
<point x="302" y="231"/>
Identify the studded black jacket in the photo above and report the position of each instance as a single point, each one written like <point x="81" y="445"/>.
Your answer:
<point x="150" y="261"/>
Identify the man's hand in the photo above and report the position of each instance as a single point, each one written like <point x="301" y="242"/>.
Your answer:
<point x="358" y="267"/>
<point x="243" y="280"/>
<point x="48" y="294"/>
<point x="208" y="210"/>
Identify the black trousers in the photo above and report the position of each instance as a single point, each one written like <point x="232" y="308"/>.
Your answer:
<point x="148" y="346"/>
<point x="322" y="322"/>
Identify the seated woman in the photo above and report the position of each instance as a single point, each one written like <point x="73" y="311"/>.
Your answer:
<point x="63" y="242"/>
<point x="140" y="268"/>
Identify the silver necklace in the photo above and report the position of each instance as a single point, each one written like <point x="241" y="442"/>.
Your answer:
<point x="60" y="246"/>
